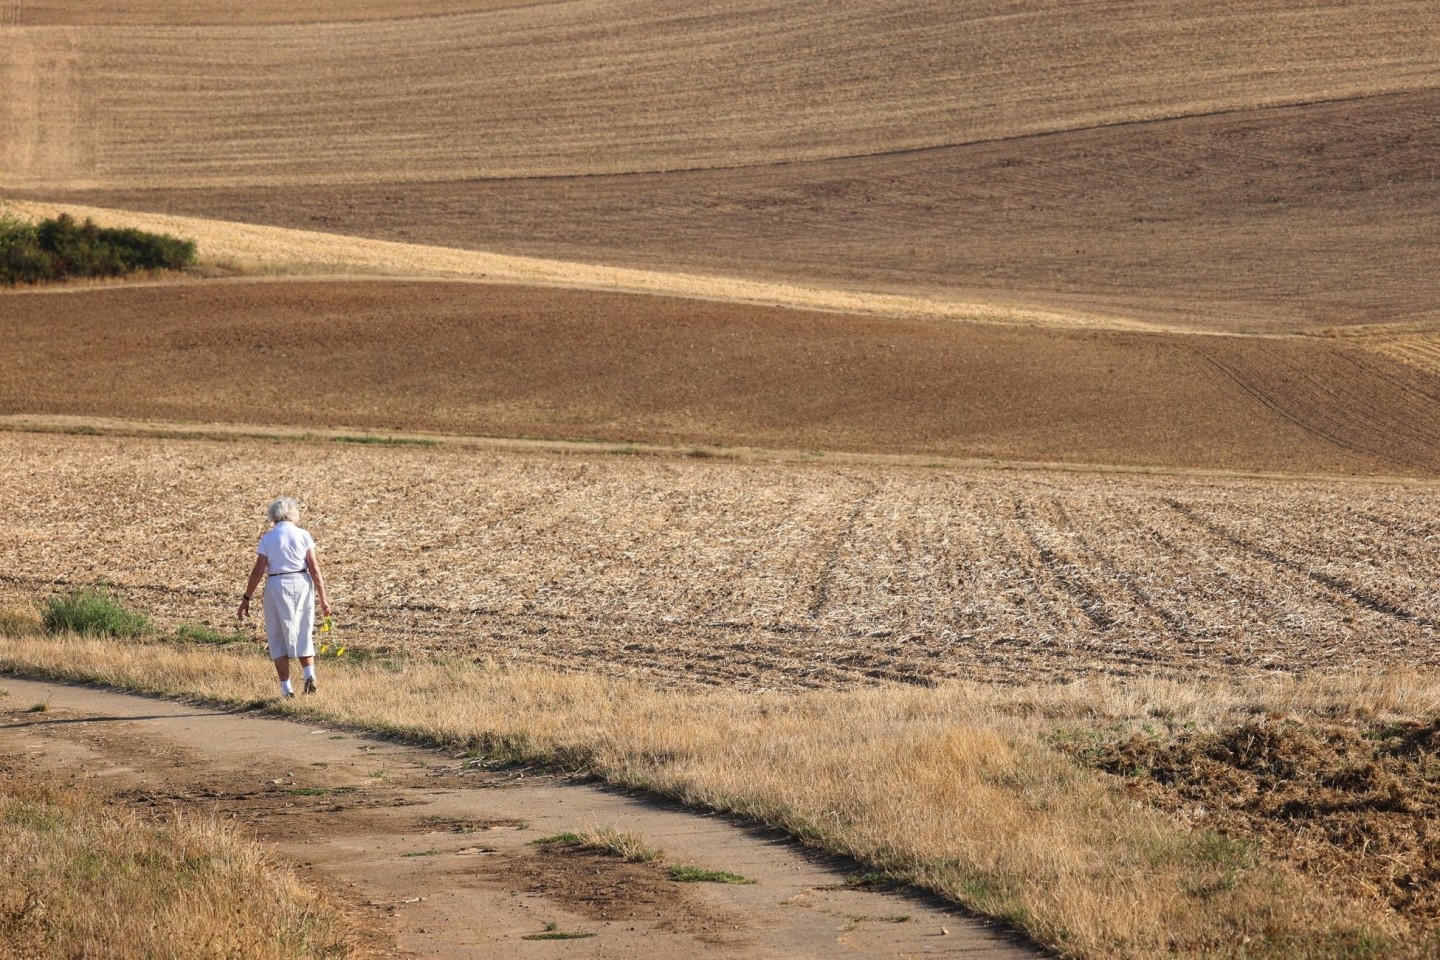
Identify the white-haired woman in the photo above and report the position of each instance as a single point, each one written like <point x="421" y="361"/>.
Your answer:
<point x="285" y="557"/>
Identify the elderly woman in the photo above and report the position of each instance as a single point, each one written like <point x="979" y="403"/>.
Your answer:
<point x="285" y="557"/>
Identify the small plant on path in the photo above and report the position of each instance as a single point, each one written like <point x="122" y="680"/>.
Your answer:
<point x="627" y="846"/>
<point x="688" y="874"/>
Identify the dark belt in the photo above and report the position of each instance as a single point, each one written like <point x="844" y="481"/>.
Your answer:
<point x="287" y="573"/>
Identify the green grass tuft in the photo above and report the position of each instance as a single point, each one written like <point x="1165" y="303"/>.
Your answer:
<point x="553" y="932"/>
<point x="606" y="840"/>
<point x="684" y="874"/>
<point x="319" y="791"/>
<point x="558" y="840"/>
<point x="92" y="611"/>
<point x="200" y="633"/>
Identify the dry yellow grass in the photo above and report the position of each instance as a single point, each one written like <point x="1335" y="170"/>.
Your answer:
<point x="950" y="787"/>
<point x="83" y="879"/>
<point x="1420" y="348"/>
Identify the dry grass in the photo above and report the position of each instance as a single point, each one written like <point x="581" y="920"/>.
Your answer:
<point x="951" y="788"/>
<point x="1419" y="348"/>
<point x="85" y="879"/>
<point x="757" y="575"/>
<point x="627" y="846"/>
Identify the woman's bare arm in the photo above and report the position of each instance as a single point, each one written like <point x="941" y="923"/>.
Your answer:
<point x="256" y="573"/>
<point x="313" y="566"/>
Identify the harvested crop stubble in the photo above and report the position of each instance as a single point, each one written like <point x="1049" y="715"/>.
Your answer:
<point x="627" y="86"/>
<point x="751" y="574"/>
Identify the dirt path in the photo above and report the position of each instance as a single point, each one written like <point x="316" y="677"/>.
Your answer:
<point x="440" y="856"/>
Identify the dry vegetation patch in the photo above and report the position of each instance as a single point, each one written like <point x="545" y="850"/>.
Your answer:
<point x="953" y="788"/>
<point x="1352" y="806"/>
<point x="85" y="878"/>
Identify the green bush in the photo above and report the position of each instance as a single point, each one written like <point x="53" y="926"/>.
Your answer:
<point x="94" y="611"/>
<point x="61" y="248"/>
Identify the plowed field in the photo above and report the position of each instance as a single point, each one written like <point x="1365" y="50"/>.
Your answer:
<point x="1149" y="166"/>
<point x="562" y="364"/>
<point x="761" y="575"/>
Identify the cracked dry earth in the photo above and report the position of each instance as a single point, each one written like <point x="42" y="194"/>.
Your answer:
<point x="437" y="859"/>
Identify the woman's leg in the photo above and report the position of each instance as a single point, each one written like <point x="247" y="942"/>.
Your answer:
<point x="282" y="670"/>
<point x="308" y="665"/>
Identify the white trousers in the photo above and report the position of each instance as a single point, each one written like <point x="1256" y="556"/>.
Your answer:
<point x="290" y="615"/>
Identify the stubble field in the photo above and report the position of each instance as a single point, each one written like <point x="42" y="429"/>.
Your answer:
<point x="749" y="574"/>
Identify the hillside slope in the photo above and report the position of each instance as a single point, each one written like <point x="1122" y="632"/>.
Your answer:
<point x="1256" y="168"/>
<point x="470" y="358"/>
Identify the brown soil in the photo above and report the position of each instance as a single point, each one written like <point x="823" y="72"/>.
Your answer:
<point x="435" y="858"/>
<point x="472" y="359"/>
<point x="1355" y="808"/>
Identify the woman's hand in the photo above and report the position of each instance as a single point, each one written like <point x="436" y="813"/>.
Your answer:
<point x="257" y="572"/>
<point x="324" y="607"/>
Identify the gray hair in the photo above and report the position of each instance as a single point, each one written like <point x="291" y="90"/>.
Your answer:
<point x="284" y="508"/>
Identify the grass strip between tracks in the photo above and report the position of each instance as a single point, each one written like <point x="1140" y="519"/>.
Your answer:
<point x="953" y="789"/>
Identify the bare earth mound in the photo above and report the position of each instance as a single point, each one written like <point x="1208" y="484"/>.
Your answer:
<point x="511" y="361"/>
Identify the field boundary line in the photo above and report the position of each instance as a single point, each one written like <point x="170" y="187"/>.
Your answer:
<point x="180" y="430"/>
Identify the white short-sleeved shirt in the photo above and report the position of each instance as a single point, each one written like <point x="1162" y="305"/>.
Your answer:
<point x="284" y="548"/>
